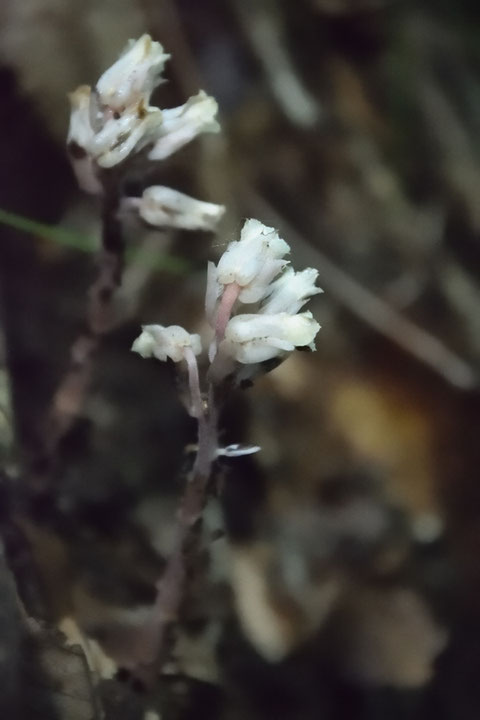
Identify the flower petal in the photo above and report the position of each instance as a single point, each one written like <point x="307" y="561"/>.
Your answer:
<point x="162" y="206"/>
<point x="183" y="124"/>
<point x="134" y="76"/>
<point x="291" y="291"/>
<point x="254" y="338"/>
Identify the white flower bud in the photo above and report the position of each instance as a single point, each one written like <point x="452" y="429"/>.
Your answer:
<point x="162" y="342"/>
<point x="182" y="124"/>
<point x="166" y="207"/>
<point x="79" y="139"/>
<point x="255" y="338"/>
<point x="80" y="131"/>
<point x="291" y="291"/>
<point x="121" y="136"/>
<point x="253" y="261"/>
<point x="133" y="77"/>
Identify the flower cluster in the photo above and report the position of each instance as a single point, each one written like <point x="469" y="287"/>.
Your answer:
<point x="115" y="120"/>
<point x="247" y="273"/>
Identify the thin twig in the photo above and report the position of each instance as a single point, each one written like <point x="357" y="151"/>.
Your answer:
<point x="262" y="24"/>
<point x="100" y="318"/>
<point x="155" y="639"/>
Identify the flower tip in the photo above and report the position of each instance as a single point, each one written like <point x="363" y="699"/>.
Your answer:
<point x="144" y="344"/>
<point x="202" y="109"/>
<point x="254" y="226"/>
<point x="80" y="97"/>
<point x="134" y="75"/>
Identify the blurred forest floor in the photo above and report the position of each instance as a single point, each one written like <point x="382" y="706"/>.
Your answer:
<point x="341" y="572"/>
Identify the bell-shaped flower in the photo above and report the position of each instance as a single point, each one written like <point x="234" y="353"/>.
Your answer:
<point x="80" y="130"/>
<point x="163" y="206"/>
<point x="79" y="139"/>
<point x="253" y="338"/>
<point x="166" y="342"/>
<point x="182" y="124"/>
<point x="133" y="77"/>
<point x="291" y="291"/>
<point x="120" y="136"/>
<point x="253" y="261"/>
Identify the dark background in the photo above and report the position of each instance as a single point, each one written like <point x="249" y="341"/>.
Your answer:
<point x="352" y="126"/>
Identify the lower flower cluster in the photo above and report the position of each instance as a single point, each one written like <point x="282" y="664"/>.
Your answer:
<point x="252" y="272"/>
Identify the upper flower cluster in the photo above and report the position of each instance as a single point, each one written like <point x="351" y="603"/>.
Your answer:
<point x="115" y="120"/>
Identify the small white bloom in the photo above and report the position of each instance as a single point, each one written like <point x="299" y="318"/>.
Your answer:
<point x="255" y="338"/>
<point x="162" y="342"/>
<point x="132" y="79"/>
<point x="254" y="261"/>
<point x="80" y="131"/>
<point x="291" y="291"/>
<point x="79" y="139"/>
<point x="114" y="138"/>
<point x="119" y="137"/>
<point x="182" y="124"/>
<point x="163" y="206"/>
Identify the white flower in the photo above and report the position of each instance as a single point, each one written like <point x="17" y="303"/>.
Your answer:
<point x="121" y="136"/>
<point x="80" y="130"/>
<point x="255" y="338"/>
<point x="182" y="124"/>
<point x="162" y="342"/>
<point x="132" y="79"/>
<point x="79" y="139"/>
<point x="107" y="138"/>
<point x="291" y="291"/>
<point x="163" y="206"/>
<point x="253" y="261"/>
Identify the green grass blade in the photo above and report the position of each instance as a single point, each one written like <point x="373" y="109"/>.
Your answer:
<point x="71" y="239"/>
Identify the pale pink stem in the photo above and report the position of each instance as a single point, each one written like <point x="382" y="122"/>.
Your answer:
<point x="127" y="205"/>
<point x="131" y="203"/>
<point x="229" y="298"/>
<point x="194" y="384"/>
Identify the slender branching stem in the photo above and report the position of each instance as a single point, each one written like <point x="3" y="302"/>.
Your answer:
<point x="156" y="638"/>
<point x="70" y="394"/>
